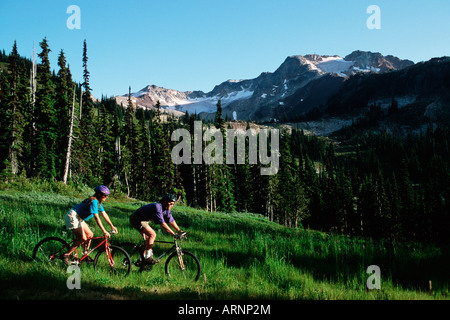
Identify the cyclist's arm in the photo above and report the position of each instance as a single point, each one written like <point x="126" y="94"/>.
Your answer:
<point x="166" y="227"/>
<point x="100" y="224"/>
<point x="175" y="226"/>
<point x="108" y="220"/>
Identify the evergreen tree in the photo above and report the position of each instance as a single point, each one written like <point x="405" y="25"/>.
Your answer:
<point x="46" y="118"/>
<point x="87" y="144"/>
<point x="12" y="114"/>
<point x="407" y="202"/>
<point x="243" y="182"/>
<point x="106" y="146"/>
<point x="132" y="152"/>
<point x="221" y="174"/>
<point x="145" y="169"/>
<point x="87" y="100"/>
<point x="63" y="106"/>
<point x="290" y="201"/>
<point x="163" y="167"/>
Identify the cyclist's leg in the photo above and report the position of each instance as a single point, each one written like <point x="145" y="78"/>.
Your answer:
<point x="73" y="222"/>
<point x="75" y="244"/>
<point x="147" y="233"/>
<point x="87" y="235"/>
<point x="149" y="236"/>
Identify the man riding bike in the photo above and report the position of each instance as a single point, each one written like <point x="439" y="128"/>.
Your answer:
<point x="159" y="213"/>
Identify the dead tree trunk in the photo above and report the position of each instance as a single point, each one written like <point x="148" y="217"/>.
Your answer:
<point x="69" y="144"/>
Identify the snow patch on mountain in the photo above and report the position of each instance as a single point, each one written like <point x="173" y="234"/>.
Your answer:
<point x="208" y="104"/>
<point x="335" y="64"/>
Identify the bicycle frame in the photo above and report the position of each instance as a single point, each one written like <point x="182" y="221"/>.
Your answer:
<point x="108" y="253"/>
<point x="52" y="249"/>
<point x="175" y="246"/>
<point x="183" y="260"/>
<point x="167" y="252"/>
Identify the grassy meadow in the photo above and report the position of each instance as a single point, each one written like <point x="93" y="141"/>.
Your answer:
<point x="243" y="256"/>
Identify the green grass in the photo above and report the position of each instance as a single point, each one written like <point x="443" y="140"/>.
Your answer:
<point x="243" y="256"/>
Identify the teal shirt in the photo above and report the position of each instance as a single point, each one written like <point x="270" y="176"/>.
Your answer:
<point x="86" y="210"/>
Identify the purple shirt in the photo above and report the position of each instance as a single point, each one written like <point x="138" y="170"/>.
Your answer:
<point x="154" y="212"/>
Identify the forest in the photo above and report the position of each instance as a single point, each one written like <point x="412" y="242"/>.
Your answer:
<point x="368" y="183"/>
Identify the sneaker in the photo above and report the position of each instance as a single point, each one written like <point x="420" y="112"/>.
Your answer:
<point x="151" y="261"/>
<point x="66" y="259"/>
<point x="88" y="259"/>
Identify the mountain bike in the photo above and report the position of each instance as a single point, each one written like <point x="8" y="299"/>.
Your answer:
<point x="50" y="250"/>
<point x="180" y="264"/>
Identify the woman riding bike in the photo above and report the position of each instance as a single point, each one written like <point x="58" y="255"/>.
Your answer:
<point x="76" y="218"/>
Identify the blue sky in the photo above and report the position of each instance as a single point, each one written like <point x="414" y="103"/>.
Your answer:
<point x="197" y="44"/>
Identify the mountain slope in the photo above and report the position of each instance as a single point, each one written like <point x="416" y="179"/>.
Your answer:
<point x="425" y="85"/>
<point x="243" y="256"/>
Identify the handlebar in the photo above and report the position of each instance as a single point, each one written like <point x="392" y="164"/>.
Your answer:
<point x="110" y="233"/>
<point x="182" y="235"/>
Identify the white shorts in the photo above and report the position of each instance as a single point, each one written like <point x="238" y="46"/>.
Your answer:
<point x="73" y="220"/>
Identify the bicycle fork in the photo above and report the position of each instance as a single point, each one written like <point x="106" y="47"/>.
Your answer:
<point x="109" y="256"/>
<point x="180" y="259"/>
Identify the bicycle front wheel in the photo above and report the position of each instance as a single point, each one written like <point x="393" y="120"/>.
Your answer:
<point x="116" y="261"/>
<point x="50" y="250"/>
<point x="183" y="267"/>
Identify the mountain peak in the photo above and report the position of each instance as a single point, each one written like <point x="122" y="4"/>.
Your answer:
<point x="375" y="61"/>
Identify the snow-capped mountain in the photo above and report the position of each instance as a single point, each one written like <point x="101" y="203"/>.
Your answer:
<point x="193" y="102"/>
<point x="310" y="79"/>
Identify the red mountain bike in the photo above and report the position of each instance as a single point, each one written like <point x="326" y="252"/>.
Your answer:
<point x="50" y="250"/>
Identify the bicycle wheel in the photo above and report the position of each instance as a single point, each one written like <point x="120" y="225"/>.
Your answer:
<point x="120" y="264"/>
<point x="185" y="267"/>
<point x="50" y="250"/>
<point x="134" y="251"/>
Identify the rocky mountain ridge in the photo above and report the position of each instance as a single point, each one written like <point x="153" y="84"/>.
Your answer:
<point x="255" y="99"/>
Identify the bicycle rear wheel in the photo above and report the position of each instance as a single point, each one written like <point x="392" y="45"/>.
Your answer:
<point x="120" y="263"/>
<point x="134" y="251"/>
<point x="184" y="267"/>
<point x="50" y="250"/>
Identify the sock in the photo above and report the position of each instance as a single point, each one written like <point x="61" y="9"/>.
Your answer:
<point x="148" y="254"/>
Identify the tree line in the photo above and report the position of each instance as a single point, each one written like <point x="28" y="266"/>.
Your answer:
<point x="376" y="185"/>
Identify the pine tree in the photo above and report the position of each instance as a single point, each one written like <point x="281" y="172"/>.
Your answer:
<point x="104" y="165"/>
<point x="117" y="134"/>
<point x="132" y="150"/>
<point x="13" y="113"/>
<point x="243" y="183"/>
<point x="163" y="167"/>
<point x="87" y="144"/>
<point x="408" y="215"/>
<point x="87" y="100"/>
<point x="145" y="169"/>
<point x="221" y="174"/>
<point x="46" y="118"/>
<point x="290" y="202"/>
<point x="63" y="104"/>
